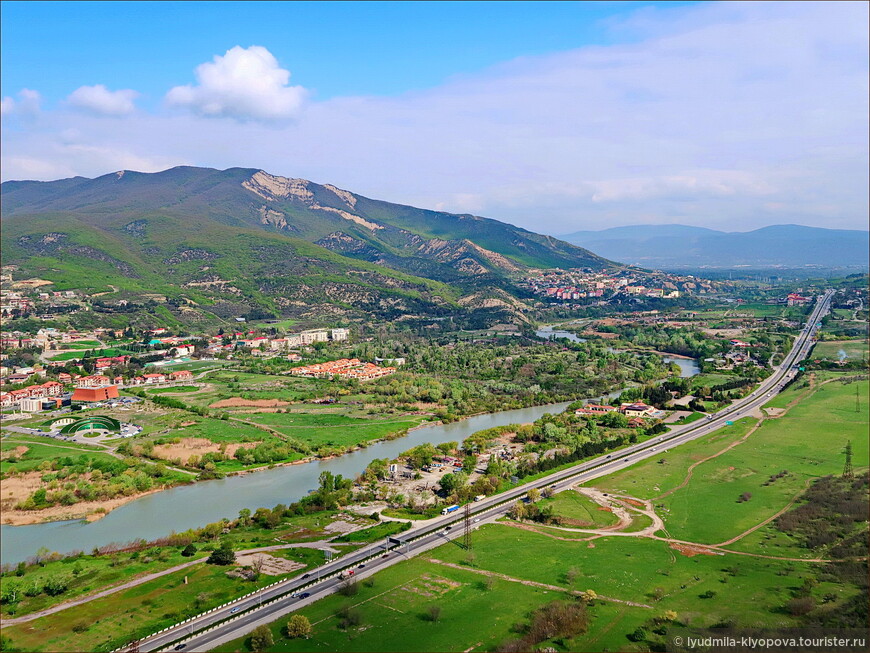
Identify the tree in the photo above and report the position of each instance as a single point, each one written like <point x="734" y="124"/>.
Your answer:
<point x="223" y="555"/>
<point x="451" y="483"/>
<point x="534" y="494"/>
<point x="298" y="626"/>
<point x="244" y="516"/>
<point x="261" y="638"/>
<point x="434" y="613"/>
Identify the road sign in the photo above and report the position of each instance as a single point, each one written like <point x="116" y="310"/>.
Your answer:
<point x="729" y="423"/>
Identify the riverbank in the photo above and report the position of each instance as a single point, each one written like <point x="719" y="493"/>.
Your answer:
<point x="89" y="511"/>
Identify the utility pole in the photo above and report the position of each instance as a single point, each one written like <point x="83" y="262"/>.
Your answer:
<point x="847" y="468"/>
<point x="467" y="536"/>
<point x="857" y="399"/>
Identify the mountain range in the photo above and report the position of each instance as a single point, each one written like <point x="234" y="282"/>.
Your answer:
<point x="228" y="242"/>
<point x="677" y="247"/>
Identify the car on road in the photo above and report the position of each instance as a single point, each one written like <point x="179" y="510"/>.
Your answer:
<point x="179" y="647"/>
<point x="306" y="575"/>
<point x="477" y="520"/>
<point x="386" y="555"/>
<point x="234" y="610"/>
<point x="304" y="595"/>
<point x="362" y="565"/>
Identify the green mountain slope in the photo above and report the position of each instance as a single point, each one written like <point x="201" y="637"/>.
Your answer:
<point x="238" y="239"/>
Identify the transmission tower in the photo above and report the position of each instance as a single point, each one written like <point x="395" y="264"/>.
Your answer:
<point x="847" y="468"/>
<point x="467" y="535"/>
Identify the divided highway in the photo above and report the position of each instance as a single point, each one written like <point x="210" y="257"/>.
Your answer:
<point x="240" y="617"/>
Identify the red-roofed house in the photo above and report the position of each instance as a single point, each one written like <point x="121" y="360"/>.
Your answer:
<point x="181" y="375"/>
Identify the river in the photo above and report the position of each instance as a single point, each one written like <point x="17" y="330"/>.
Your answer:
<point x="157" y="515"/>
<point x="192" y="506"/>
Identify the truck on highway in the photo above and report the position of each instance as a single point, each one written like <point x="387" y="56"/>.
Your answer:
<point x="347" y="573"/>
<point x="450" y="509"/>
<point x="480" y="497"/>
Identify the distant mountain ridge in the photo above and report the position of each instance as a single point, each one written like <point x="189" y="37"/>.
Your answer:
<point x="242" y="238"/>
<point x="681" y="246"/>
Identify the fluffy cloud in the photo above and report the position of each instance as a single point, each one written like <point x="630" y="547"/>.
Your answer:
<point x="100" y="101"/>
<point x="27" y="104"/>
<point x="245" y="84"/>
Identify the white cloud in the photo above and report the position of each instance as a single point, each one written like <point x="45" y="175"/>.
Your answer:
<point x="100" y="101"/>
<point x="27" y="104"/>
<point x="245" y="84"/>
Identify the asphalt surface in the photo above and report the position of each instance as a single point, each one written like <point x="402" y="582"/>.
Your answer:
<point x="247" y="613"/>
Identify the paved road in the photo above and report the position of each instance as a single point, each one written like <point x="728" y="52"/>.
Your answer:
<point x="248" y="613"/>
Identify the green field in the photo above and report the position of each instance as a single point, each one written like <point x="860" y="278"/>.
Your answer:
<point x="807" y="442"/>
<point x="39" y="451"/>
<point x="87" y="575"/>
<point x="394" y="616"/>
<point x="174" y="389"/>
<point x="330" y="430"/>
<point x="112" y="351"/>
<point x="830" y="350"/>
<point x="579" y="510"/>
<point x="110" y="622"/>
<point x="393" y="610"/>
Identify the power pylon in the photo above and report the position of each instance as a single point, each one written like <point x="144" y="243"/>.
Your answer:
<point x="847" y="468"/>
<point x="467" y="535"/>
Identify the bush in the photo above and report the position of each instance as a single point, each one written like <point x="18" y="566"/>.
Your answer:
<point x="298" y="626"/>
<point x="189" y="551"/>
<point x="261" y="638"/>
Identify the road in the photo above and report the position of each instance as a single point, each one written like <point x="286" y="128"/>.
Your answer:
<point x="247" y="613"/>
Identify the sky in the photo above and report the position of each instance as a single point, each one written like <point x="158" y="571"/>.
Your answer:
<point x="556" y="117"/>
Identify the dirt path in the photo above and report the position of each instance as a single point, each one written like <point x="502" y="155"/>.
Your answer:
<point x="531" y="583"/>
<point x="691" y="469"/>
<point x="321" y="544"/>
<point x="769" y="519"/>
<point x="780" y="413"/>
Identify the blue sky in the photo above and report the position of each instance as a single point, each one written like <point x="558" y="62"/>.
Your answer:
<point x="334" y="48"/>
<point x="555" y="116"/>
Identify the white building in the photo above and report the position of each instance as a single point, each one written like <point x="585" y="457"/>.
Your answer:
<point x="30" y="405"/>
<point x="337" y="335"/>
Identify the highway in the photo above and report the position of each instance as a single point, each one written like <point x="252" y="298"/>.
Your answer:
<point x="239" y="617"/>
